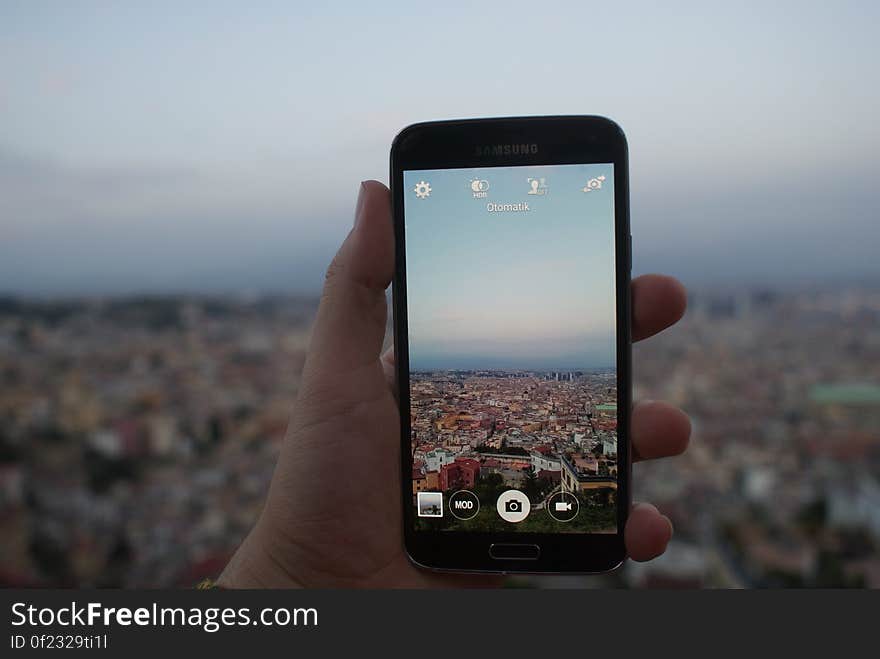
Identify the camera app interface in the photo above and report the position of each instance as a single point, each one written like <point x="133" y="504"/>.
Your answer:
<point x="512" y="348"/>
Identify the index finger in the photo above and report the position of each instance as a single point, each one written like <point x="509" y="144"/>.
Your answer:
<point x="658" y="301"/>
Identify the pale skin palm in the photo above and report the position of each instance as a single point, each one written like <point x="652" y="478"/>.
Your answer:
<point x="333" y="514"/>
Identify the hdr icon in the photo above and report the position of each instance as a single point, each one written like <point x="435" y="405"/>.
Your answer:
<point x="464" y="505"/>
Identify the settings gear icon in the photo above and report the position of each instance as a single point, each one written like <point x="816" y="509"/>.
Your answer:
<point x="422" y="190"/>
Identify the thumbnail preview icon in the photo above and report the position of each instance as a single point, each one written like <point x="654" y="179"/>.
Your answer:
<point x="430" y="504"/>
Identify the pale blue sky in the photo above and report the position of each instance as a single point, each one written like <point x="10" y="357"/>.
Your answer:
<point x="517" y="289"/>
<point x="218" y="146"/>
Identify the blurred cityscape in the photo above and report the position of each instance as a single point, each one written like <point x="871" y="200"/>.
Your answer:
<point x="138" y="436"/>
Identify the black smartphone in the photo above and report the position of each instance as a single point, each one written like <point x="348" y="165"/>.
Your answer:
<point x="512" y="338"/>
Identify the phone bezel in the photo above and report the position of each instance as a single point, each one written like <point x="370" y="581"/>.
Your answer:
<point x="560" y="140"/>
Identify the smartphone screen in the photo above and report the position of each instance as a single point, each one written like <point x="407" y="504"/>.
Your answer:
<point x="511" y="307"/>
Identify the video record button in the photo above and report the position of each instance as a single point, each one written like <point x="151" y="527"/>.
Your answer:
<point x="563" y="506"/>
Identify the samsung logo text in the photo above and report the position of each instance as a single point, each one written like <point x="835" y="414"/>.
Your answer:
<point x="506" y="150"/>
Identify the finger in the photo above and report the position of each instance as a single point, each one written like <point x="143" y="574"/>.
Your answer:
<point x="388" y="367"/>
<point x="350" y="324"/>
<point x="658" y="301"/>
<point x="647" y="532"/>
<point x="659" y="430"/>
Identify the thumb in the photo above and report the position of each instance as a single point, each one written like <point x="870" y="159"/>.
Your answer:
<point x="350" y="325"/>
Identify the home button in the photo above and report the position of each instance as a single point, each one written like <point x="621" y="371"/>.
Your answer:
<point x="514" y="552"/>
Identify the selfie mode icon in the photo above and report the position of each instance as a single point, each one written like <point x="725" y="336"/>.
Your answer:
<point x="422" y="189"/>
<point x="537" y="186"/>
<point x="513" y="506"/>
<point x="430" y="504"/>
<point x="594" y="184"/>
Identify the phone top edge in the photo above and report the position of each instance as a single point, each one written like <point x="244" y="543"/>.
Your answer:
<point x="476" y="121"/>
<point x="465" y="141"/>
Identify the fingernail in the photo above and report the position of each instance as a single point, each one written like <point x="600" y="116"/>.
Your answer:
<point x="358" y="209"/>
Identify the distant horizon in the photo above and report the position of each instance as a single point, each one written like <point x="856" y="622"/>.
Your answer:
<point x="732" y="286"/>
<point x="566" y="369"/>
<point x="525" y="364"/>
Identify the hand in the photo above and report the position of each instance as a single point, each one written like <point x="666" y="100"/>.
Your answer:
<point x="332" y="517"/>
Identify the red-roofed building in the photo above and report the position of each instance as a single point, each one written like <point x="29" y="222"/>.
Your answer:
<point x="463" y="473"/>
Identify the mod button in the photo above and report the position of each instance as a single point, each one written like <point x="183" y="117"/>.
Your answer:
<point x="464" y="505"/>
